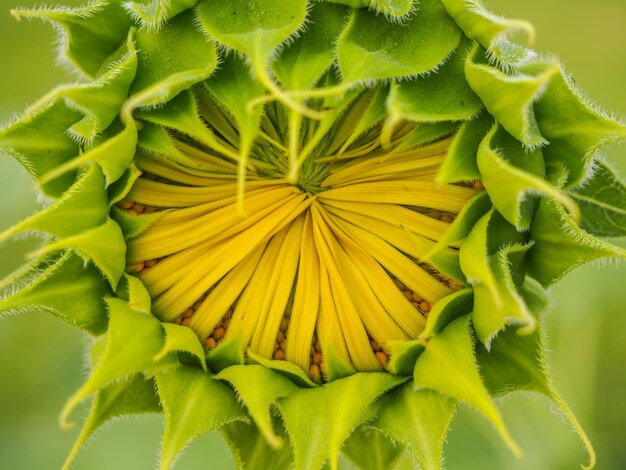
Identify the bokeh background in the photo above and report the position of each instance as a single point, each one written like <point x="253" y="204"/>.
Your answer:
<point x="42" y="359"/>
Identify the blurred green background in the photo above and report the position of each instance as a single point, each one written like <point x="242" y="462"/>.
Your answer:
<point x="42" y="360"/>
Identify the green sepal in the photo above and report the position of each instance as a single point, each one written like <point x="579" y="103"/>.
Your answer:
<point x="153" y="13"/>
<point x="194" y="403"/>
<point x="452" y="351"/>
<point x="418" y="420"/>
<point x="39" y="141"/>
<point x="517" y="362"/>
<point x="284" y="368"/>
<point x="514" y="177"/>
<point x="302" y="64"/>
<point x="491" y="31"/>
<point x="492" y="266"/>
<point x="171" y="59"/>
<point x="182" y="340"/>
<point x="441" y="96"/>
<point x="445" y="311"/>
<point x="68" y="288"/>
<point x="133" y="225"/>
<point x="388" y="50"/>
<point x="369" y="449"/>
<point x="101" y="99"/>
<point x="129" y="396"/>
<point x="510" y="99"/>
<point x="104" y="246"/>
<point x="118" y="190"/>
<point x="465" y="220"/>
<point x="251" y="450"/>
<point x="460" y="164"/>
<point x="89" y="35"/>
<point x="113" y="151"/>
<point x="234" y="88"/>
<point x="228" y="353"/>
<point x="404" y="354"/>
<point x="602" y="202"/>
<point x="317" y="433"/>
<point x="135" y="293"/>
<point x="561" y="246"/>
<point x="574" y="128"/>
<point x="82" y="207"/>
<point x="154" y="140"/>
<point x="123" y="354"/>
<point x="493" y="313"/>
<point x="180" y="114"/>
<point x="254" y="27"/>
<point x="258" y="388"/>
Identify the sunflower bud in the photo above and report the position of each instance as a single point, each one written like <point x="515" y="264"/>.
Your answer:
<point x="263" y="205"/>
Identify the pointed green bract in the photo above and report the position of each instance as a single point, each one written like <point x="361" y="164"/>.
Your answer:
<point x="90" y="34"/>
<point x="68" y="289"/>
<point x="317" y="433"/>
<point x="561" y="246"/>
<point x="153" y="13"/>
<point x="491" y="31"/>
<point x="123" y="355"/>
<point x="389" y="50"/>
<point x="258" y="388"/>
<point x="441" y="96"/>
<point x="574" y="128"/>
<point x="452" y="351"/>
<point x="511" y="98"/>
<point x="194" y="403"/>
<point x="371" y="450"/>
<point x="599" y="199"/>
<point x="130" y="396"/>
<point x="513" y="177"/>
<point x="83" y="206"/>
<point x="418" y="420"/>
<point x="302" y="64"/>
<point x="252" y="451"/>
<point x="39" y="141"/>
<point x="254" y="27"/>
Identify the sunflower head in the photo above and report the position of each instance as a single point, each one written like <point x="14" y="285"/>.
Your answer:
<point x="257" y="207"/>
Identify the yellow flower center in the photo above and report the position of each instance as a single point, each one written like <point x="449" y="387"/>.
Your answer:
<point x="296" y="269"/>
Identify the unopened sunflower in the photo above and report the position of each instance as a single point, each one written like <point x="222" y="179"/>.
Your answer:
<point x="258" y="207"/>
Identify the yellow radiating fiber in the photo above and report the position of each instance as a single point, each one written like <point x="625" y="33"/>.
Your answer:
<point x="354" y="333"/>
<point x="362" y="151"/>
<point x="181" y="215"/>
<point x="306" y="300"/>
<point x="278" y="290"/>
<point x="159" y="241"/>
<point x="374" y="317"/>
<point x="181" y="175"/>
<point x="222" y="297"/>
<point x="394" y="233"/>
<point x="415" y="222"/>
<point x="392" y="300"/>
<point x="153" y="193"/>
<point x="404" y="192"/>
<point x="409" y="273"/>
<point x="206" y="160"/>
<point x="329" y="332"/>
<point x="207" y="271"/>
<point x="255" y="300"/>
<point x="385" y="167"/>
<point x="173" y="268"/>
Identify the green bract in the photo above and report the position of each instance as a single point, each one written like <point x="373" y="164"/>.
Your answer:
<point x="261" y="205"/>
